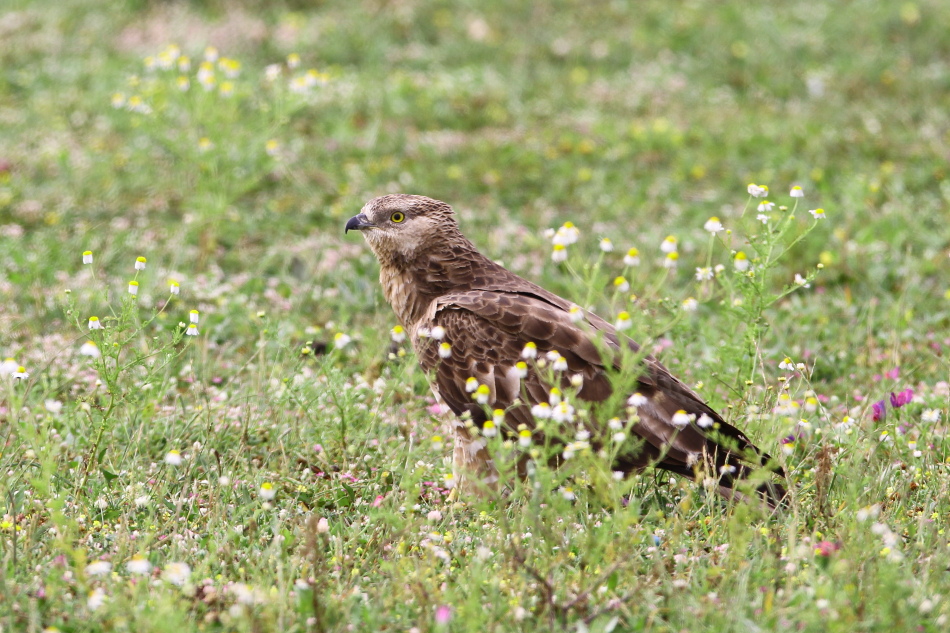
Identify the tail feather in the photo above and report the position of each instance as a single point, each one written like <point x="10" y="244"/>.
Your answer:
<point x="707" y="443"/>
<point x="723" y="454"/>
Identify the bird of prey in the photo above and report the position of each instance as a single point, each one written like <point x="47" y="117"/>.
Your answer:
<point x="482" y="333"/>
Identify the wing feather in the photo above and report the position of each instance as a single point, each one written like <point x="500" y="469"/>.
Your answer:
<point x="488" y="329"/>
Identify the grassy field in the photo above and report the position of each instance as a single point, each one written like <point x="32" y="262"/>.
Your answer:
<point x="285" y="468"/>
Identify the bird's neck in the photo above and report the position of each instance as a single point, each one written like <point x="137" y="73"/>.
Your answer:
<point x="411" y="283"/>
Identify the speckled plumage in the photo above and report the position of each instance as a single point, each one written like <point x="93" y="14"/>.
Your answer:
<point x="433" y="276"/>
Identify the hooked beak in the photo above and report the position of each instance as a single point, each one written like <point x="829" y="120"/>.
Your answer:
<point x="357" y="223"/>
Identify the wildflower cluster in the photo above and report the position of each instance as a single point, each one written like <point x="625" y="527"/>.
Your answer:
<point x="751" y="258"/>
<point x="214" y="73"/>
<point x="566" y="235"/>
<point x="755" y="258"/>
<point x="199" y="108"/>
<point x="172" y="66"/>
<point x="94" y="323"/>
<point x="121" y="343"/>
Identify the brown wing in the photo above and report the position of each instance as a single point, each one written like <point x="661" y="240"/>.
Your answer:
<point x="488" y="329"/>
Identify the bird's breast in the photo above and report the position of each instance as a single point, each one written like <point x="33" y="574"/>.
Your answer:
<point x="400" y="291"/>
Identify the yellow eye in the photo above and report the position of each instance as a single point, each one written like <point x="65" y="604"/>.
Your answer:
<point x="398" y="217"/>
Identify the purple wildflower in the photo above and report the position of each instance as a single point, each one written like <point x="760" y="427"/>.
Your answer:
<point x="900" y="399"/>
<point x="879" y="411"/>
<point x="791" y="438"/>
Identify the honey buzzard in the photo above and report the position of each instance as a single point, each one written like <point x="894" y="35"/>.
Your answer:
<point x="470" y="321"/>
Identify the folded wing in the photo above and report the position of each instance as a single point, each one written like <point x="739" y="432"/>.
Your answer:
<point x="488" y="331"/>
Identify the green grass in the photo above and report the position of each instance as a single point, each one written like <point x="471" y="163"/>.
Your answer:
<point x="631" y="120"/>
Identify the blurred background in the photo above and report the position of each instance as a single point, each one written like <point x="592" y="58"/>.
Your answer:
<point x="233" y="168"/>
<point x="227" y="143"/>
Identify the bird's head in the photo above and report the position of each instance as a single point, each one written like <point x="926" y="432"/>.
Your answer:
<point x="399" y="225"/>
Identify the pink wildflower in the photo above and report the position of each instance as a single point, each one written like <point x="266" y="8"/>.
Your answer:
<point x="443" y="613"/>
